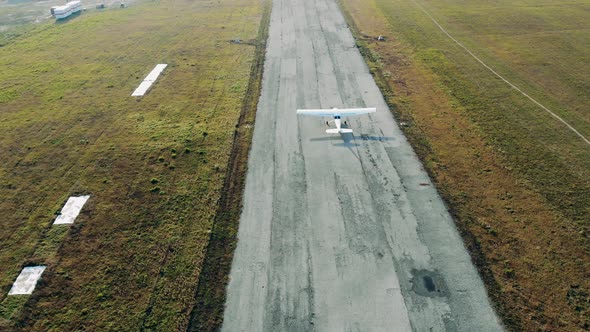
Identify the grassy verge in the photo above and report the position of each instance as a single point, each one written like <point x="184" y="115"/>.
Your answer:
<point x="515" y="179"/>
<point x="207" y="314"/>
<point x="154" y="166"/>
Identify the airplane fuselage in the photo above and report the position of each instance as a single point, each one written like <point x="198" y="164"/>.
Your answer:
<point x="338" y="121"/>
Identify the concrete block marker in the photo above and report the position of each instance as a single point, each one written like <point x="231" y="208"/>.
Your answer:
<point x="27" y="280"/>
<point x="148" y="80"/>
<point x="71" y="210"/>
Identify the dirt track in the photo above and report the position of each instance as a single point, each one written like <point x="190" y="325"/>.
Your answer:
<point x="341" y="232"/>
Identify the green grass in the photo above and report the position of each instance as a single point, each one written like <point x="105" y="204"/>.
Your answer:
<point x="207" y="314"/>
<point x="11" y="305"/>
<point x="69" y="126"/>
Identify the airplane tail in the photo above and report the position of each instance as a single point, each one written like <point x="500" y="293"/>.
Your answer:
<point x="341" y="131"/>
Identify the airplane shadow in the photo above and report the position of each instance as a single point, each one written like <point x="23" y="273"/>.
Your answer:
<point x="348" y="139"/>
<point x="364" y="137"/>
<point x="345" y="139"/>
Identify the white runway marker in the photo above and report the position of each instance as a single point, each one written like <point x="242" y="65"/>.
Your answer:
<point x="148" y="80"/>
<point x="27" y="280"/>
<point x="71" y="210"/>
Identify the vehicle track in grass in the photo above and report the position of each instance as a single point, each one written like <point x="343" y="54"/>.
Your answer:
<point x="570" y="127"/>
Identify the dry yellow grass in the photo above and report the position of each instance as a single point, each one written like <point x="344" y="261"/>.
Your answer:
<point x="533" y="259"/>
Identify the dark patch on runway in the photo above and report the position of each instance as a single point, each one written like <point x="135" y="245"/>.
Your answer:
<point x="428" y="283"/>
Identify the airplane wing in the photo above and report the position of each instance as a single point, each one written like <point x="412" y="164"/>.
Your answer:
<point x="337" y="111"/>
<point x="355" y="111"/>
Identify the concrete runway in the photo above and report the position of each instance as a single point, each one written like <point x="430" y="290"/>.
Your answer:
<point x="341" y="232"/>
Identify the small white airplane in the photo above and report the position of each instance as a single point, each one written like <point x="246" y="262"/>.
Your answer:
<point x="337" y="114"/>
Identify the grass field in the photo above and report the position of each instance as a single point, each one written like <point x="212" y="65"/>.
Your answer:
<point x="154" y="166"/>
<point x="15" y="13"/>
<point x="517" y="180"/>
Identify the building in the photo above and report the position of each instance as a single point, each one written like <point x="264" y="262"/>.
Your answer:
<point x="64" y="11"/>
